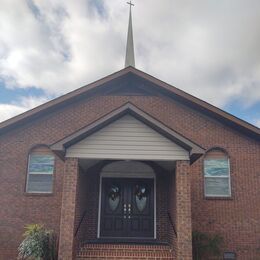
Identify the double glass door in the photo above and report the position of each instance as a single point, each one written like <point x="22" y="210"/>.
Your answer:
<point x="127" y="208"/>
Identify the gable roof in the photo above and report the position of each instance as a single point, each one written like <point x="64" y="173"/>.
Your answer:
<point x="195" y="151"/>
<point x="163" y="87"/>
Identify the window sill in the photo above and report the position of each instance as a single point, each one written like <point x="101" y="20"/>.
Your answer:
<point x="218" y="198"/>
<point x="38" y="194"/>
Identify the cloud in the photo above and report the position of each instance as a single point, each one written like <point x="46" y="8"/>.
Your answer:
<point x="23" y="104"/>
<point x="56" y="46"/>
<point x="257" y="123"/>
<point x="209" y="49"/>
<point x="8" y="111"/>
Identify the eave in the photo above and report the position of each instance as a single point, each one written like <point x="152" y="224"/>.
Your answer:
<point x="164" y="88"/>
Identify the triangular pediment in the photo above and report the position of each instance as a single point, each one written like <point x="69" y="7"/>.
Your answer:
<point x="135" y="129"/>
<point x="127" y="138"/>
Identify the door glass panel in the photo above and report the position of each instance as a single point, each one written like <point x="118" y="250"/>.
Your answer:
<point x="113" y="197"/>
<point x="141" y="194"/>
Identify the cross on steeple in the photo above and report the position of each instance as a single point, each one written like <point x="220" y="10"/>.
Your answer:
<point x="130" y="3"/>
<point x="130" y="55"/>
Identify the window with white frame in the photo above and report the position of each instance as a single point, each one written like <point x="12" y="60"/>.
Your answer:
<point x="216" y="174"/>
<point x="40" y="172"/>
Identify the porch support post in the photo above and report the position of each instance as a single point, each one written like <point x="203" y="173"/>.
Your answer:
<point x="183" y="211"/>
<point x="68" y="207"/>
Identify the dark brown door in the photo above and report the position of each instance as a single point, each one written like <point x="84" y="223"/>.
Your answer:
<point x="127" y="208"/>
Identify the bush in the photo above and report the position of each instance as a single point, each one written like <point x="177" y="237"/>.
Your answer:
<point x="38" y="244"/>
<point x="205" y="246"/>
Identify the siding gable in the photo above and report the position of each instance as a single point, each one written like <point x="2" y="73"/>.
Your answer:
<point x="127" y="138"/>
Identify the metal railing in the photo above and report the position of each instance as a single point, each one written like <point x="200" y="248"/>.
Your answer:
<point x="172" y="224"/>
<point x="80" y="222"/>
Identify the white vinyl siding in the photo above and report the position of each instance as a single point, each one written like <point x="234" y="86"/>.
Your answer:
<point x="127" y="138"/>
<point x="40" y="173"/>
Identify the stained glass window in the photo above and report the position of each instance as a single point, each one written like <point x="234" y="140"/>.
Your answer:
<point x="40" y="173"/>
<point x="216" y="174"/>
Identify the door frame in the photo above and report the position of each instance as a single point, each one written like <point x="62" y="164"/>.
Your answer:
<point x="146" y="175"/>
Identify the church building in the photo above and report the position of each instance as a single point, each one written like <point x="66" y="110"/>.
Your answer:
<point x="128" y="167"/>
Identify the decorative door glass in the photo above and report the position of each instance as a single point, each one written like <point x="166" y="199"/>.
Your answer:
<point x="113" y="197"/>
<point x="141" y="194"/>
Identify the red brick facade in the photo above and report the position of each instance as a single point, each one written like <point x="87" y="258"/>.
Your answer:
<point x="68" y="209"/>
<point x="236" y="218"/>
<point x="183" y="210"/>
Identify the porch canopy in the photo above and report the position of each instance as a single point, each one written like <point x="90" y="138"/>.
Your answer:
<point x="128" y="133"/>
<point x="119" y="141"/>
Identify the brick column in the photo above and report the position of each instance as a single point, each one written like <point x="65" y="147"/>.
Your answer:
<point x="68" y="207"/>
<point x="183" y="211"/>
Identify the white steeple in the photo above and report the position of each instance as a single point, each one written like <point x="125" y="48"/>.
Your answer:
<point x="130" y="53"/>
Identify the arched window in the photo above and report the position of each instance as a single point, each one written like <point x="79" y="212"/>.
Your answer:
<point x="40" y="171"/>
<point x="216" y="174"/>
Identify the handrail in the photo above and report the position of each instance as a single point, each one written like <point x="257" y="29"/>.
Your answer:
<point x="81" y="220"/>
<point x="172" y="224"/>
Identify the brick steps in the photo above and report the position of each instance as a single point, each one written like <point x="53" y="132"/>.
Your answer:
<point x="124" y="251"/>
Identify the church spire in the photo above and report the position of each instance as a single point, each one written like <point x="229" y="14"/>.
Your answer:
<point x="130" y="53"/>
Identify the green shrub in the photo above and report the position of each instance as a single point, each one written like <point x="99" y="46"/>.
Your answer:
<point x="205" y="246"/>
<point x="38" y="244"/>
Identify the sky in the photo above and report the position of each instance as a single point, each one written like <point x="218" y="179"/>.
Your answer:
<point x="209" y="49"/>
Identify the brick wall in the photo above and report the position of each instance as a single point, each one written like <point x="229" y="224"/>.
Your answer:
<point x="68" y="219"/>
<point x="82" y="197"/>
<point x="162" y="197"/>
<point x="236" y="219"/>
<point x="91" y="223"/>
<point x="183" y="211"/>
<point x="17" y="208"/>
<point x="172" y="213"/>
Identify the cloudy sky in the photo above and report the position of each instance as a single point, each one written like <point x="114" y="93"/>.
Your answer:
<point x="210" y="49"/>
